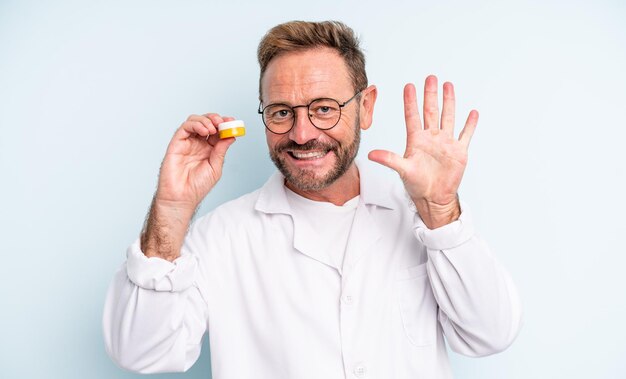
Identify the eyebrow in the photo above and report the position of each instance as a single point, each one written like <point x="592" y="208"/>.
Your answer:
<point x="291" y="105"/>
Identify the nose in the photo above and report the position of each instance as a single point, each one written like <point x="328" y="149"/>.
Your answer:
<point x="303" y="130"/>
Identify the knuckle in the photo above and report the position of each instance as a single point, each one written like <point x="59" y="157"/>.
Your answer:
<point x="213" y="116"/>
<point x="430" y="109"/>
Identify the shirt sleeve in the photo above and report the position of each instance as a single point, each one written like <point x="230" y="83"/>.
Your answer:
<point x="155" y="313"/>
<point x="479" y="307"/>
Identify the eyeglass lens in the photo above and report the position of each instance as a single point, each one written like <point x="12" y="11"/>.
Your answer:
<point x="323" y="113"/>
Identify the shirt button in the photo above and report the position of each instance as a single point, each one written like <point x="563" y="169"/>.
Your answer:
<point x="360" y="371"/>
<point x="348" y="299"/>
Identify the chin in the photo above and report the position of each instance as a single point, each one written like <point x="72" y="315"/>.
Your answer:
<point x="310" y="176"/>
<point x="314" y="166"/>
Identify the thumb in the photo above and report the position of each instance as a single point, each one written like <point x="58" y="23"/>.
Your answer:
<point x="387" y="158"/>
<point x="219" y="150"/>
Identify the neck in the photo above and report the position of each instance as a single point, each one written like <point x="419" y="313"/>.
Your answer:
<point x="339" y="192"/>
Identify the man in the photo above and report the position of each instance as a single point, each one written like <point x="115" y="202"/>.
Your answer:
<point x="324" y="272"/>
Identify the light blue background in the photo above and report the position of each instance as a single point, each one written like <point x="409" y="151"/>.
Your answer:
<point x="91" y="92"/>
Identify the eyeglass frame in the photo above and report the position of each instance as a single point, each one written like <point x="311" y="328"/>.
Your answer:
<point x="293" y="109"/>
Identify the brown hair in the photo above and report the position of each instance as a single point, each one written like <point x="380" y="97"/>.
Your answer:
<point x="303" y="35"/>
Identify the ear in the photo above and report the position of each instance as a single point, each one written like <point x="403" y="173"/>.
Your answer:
<point x="368" y="99"/>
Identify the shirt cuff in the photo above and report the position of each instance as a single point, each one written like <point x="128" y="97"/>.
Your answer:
<point x="159" y="274"/>
<point x="448" y="236"/>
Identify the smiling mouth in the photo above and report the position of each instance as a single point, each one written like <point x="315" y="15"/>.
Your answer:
<point x="307" y="155"/>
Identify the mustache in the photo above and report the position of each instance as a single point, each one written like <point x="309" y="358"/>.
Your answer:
<point x="308" y="145"/>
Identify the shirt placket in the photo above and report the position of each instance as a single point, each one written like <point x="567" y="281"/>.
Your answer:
<point x="363" y="236"/>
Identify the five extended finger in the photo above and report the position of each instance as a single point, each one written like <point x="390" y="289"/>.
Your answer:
<point x="411" y="113"/>
<point x="388" y="159"/>
<point x="468" y="130"/>
<point x="447" y="113"/>
<point x="431" y="104"/>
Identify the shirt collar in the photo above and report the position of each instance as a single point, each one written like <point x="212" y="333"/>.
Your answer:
<point x="273" y="199"/>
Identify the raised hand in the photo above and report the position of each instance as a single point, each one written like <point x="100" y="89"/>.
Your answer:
<point x="193" y="161"/>
<point x="434" y="161"/>
<point x="191" y="168"/>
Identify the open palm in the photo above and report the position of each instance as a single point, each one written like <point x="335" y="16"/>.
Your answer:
<point x="434" y="161"/>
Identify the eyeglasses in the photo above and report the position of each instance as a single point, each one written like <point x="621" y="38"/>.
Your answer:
<point x="324" y="114"/>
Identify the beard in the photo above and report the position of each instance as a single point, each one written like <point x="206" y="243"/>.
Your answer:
<point x="308" y="180"/>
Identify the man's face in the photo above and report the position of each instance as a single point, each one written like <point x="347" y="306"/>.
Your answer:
<point x="311" y="159"/>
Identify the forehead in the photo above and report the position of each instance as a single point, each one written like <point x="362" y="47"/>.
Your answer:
<point x="298" y="77"/>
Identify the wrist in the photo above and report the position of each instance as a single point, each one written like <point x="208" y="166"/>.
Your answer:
<point x="165" y="229"/>
<point x="435" y="214"/>
<point x="177" y="208"/>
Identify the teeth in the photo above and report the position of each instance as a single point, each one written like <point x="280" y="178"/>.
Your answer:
<point x="308" y="155"/>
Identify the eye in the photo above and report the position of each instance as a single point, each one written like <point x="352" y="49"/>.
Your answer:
<point x="278" y="113"/>
<point x="324" y="108"/>
<point x="281" y="113"/>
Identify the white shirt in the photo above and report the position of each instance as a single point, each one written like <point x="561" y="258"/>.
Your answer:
<point x="331" y="222"/>
<point x="249" y="275"/>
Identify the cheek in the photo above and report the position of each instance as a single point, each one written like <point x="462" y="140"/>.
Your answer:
<point x="270" y="139"/>
<point x="273" y="140"/>
<point x="344" y="132"/>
